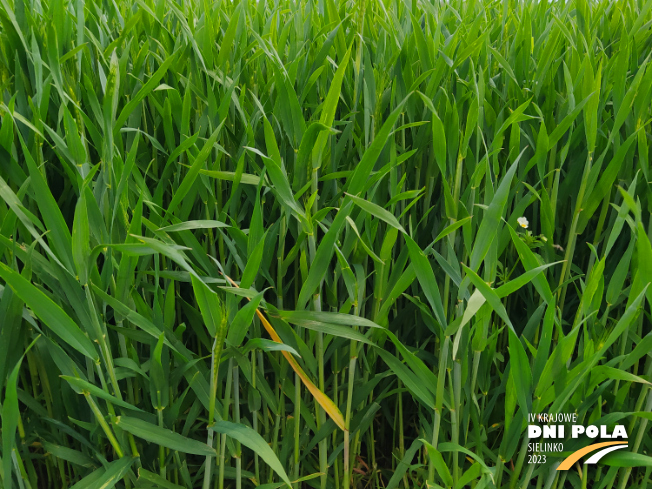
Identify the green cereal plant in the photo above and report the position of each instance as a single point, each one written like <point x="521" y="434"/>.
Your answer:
<point x="322" y="243"/>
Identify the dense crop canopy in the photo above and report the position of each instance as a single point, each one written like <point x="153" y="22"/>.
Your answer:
<point x="322" y="243"/>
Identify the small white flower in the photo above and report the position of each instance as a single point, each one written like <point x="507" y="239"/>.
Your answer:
<point x="523" y="222"/>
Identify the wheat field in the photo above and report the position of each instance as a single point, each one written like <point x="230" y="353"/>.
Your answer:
<point x="322" y="243"/>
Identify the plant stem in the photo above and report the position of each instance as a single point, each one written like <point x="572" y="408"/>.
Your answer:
<point x="216" y="355"/>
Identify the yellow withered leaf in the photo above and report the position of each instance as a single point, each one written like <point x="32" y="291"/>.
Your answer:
<point x="324" y="401"/>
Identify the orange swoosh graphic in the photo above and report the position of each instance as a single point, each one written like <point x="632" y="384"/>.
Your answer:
<point x="575" y="456"/>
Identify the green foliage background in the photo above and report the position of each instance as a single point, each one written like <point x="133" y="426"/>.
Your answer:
<point x="276" y="242"/>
